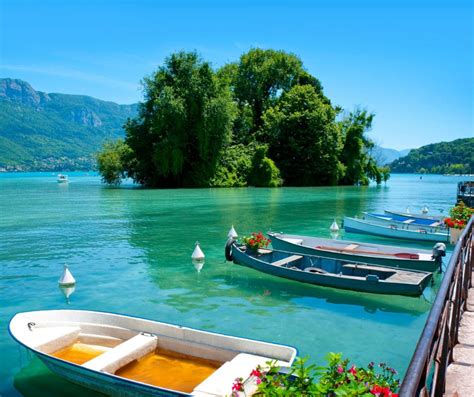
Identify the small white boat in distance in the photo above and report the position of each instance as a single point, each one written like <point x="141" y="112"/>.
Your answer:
<point x="129" y="356"/>
<point x="62" y="178"/>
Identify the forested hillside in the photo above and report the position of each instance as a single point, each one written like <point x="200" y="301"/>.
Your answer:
<point x="455" y="157"/>
<point x="40" y="131"/>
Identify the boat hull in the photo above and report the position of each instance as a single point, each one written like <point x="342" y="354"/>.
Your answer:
<point x="329" y="280"/>
<point x="428" y="265"/>
<point x="353" y="225"/>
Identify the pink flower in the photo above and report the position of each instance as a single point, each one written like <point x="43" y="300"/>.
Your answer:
<point x="353" y="370"/>
<point x="340" y="370"/>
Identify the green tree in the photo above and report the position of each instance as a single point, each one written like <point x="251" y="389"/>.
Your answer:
<point x="113" y="161"/>
<point x="183" y="125"/>
<point x="262" y="76"/>
<point x="359" y="165"/>
<point x="304" y="138"/>
<point x="264" y="172"/>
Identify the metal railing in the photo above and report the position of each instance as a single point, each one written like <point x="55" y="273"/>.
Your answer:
<point x="426" y="374"/>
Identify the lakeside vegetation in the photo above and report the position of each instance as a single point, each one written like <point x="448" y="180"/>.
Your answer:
<point x="261" y="121"/>
<point x="455" y="157"/>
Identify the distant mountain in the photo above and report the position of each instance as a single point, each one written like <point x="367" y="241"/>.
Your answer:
<point x="385" y="156"/>
<point x="40" y="131"/>
<point x="455" y="157"/>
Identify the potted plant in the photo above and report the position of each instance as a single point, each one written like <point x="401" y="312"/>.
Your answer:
<point x="255" y="241"/>
<point x="458" y="218"/>
<point x="337" y="378"/>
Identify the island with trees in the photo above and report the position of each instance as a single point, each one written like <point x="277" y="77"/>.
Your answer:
<point x="262" y="121"/>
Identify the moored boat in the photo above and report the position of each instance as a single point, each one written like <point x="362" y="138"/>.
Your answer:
<point x="355" y="225"/>
<point x="62" y="178"/>
<point x="407" y="215"/>
<point x="376" y="254"/>
<point x="128" y="356"/>
<point x="408" y="223"/>
<point x="333" y="273"/>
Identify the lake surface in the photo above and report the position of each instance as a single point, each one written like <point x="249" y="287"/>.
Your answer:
<point x="130" y="248"/>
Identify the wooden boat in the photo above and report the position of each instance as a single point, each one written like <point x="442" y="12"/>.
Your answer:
<point x="376" y="254"/>
<point x="354" y="225"/>
<point x="405" y="223"/>
<point x="407" y="215"/>
<point x="128" y="356"/>
<point x="334" y="273"/>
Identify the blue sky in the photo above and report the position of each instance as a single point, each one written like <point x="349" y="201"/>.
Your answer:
<point x="409" y="62"/>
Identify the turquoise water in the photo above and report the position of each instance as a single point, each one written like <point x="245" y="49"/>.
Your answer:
<point x="130" y="248"/>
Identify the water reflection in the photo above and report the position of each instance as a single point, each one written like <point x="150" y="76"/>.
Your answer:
<point x="36" y="379"/>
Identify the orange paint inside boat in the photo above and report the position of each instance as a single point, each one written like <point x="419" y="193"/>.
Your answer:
<point x="79" y="353"/>
<point x="169" y="369"/>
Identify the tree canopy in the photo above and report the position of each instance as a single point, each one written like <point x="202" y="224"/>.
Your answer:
<point x="182" y="126"/>
<point x="261" y="121"/>
<point x="304" y="138"/>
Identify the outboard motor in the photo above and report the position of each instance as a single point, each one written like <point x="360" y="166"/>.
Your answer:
<point x="439" y="250"/>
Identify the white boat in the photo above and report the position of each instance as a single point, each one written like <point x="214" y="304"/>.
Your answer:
<point x="62" y="178"/>
<point x="354" y="225"/>
<point x="128" y="356"/>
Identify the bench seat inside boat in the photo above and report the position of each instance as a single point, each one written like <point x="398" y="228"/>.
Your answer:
<point x="220" y="382"/>
<point x="51" y="339"/>
<point x="123" y="354"/>
<point x="287" y="260"/>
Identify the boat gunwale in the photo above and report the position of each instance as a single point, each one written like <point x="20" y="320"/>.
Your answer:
<point x="119" y="378"/>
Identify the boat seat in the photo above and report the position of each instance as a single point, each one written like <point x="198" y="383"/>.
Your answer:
<point x="351" y="247"/>
<point x="435" y="224"/>
<point x="220" y="382"/>
<point x="287" y="260"/>
<point x="297" y="241"/>
<point x="409" y="221"/>
<point x="123" y="354"/>
<point x="51" y="339"/>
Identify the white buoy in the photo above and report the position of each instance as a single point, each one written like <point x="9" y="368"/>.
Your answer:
<point x="424" y="210"/>
<point x="407" y="210"/>
<point x="334" y="227"/>
<point x="66" y="278"/>
<point x="232" y="233"/>
<point x="198" y="255"/>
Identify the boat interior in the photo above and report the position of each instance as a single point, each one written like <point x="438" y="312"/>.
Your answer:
<point x="162" y="360"/>
<point x="320" y="265"/>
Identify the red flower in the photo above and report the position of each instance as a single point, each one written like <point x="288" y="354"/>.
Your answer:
<point x="238" y="386"/>
<point x="256" y="373"/>
<point x="353" y="370"/>
<point x="340" y="370"/>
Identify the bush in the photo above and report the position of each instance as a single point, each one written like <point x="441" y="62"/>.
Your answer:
<point x="335" y="379"/>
